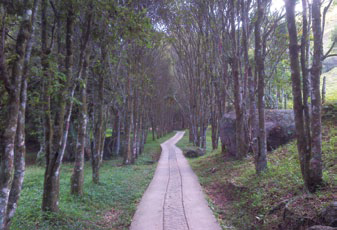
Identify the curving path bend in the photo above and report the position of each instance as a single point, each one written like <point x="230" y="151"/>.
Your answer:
<point x="174" y="199"/>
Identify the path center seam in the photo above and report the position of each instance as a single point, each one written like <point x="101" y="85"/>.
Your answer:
<point x="167" y="184"/>
<point x="181" y="187"/>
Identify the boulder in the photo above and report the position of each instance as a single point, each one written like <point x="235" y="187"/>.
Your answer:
<point x="280" y="129"/>
<point x="329" y="214"/>
<point x="328" y="64"/>
<point x="193" y="153"/>
<point x="227" y="133"/>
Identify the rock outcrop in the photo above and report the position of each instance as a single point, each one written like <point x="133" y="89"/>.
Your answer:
<point x="193" y="153"/>
<point x="280" y="129"/>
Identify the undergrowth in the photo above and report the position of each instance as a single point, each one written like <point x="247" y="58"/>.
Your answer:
<point x="108" y="205"/>
<point x="243" y="200"/>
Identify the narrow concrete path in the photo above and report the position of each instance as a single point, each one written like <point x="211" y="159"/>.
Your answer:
<point x="174" y="199"/>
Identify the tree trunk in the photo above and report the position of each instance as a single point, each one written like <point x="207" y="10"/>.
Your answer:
<point x="261" y="155"/>
<point x="302" y="144"/>
<point x="135" y="126"/>
<point x="98" y="139"/>
<point x="20" y="151"/>
<point x="324" y="90"/>
<point x="305" y="43"/>
<point x="57" y="143"/>
<point x="128" y="125"/>
<point x="241" y="144"/>
<point x="153" y="129"/>
<point x="315" y="165"/>
<point x="118" y="138"/>
<point x="140" y="132"/>
<point x="13" y="87"/>
<point x="77" y="177"/>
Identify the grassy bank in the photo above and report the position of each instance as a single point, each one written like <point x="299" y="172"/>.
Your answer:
<point x="331" y="86"/>
<point x="109" y="205"/>
<point x="243" y="200"/>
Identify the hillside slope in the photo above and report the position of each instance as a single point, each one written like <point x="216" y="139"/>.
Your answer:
<point x="330" y="64"/>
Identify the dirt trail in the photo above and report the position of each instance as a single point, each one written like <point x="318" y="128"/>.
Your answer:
<point x="174" y="199"/>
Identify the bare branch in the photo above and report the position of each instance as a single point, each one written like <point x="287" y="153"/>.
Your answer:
<point x="324" y="15"/>
<point x="327" y="54"/>
<point x="56" y="18"/>
<point x="10" y="36"/>
<point x="331" y="55"/>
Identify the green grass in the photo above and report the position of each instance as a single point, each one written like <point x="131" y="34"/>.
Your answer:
<point x="184" y="143"/>
<point x="111" y="204"/>
<point x="108" y="133"/>
<point x="242" y="199"/>
<point x="331" y="76"/>
<point x="331" y="86"/>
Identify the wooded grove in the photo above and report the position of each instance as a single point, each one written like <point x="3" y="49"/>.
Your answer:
<point x="89" y="80"/>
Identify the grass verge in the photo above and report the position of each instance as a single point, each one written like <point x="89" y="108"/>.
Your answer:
<point x="108" y="205"/>
<point x="242" y="200"/>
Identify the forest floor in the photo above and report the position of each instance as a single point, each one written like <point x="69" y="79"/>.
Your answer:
<point x="108" y="205"/>
<point x="243" y="200"/>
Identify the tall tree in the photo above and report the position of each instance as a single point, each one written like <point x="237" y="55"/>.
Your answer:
<point x="241" y="143"/>
<point x="308" y="143"/>
<point x="20" y="148"/>
<point x="13" y="85"/>
<point x="315" y="163"/>
<point x="58" y="128"/>
<point x="77" y="177"/>
<point x="261" y="155"/>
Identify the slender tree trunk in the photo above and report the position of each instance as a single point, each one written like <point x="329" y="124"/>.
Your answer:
<point x="135" y="125"/>
<point x="56" y="145"/>
<point x="47" y="85"/>
<point x="324" y="90"/>
<point x="215" y="131"/>
<point x="20" y="151"/>
<point x="305" y="73"/>
<point x="77" y="177"/>
<point x="143" y="133"/>
<point x="261" y="157"/>
<point x="98" y="139"/>
<point x="140" y="132"/>
<point x="13" y="87"/>
<point x="252" y="113"/>
<point x="302" y="144"/>
<point x="252" y="122"/>
<point x="241" y="145"/>
<point x="191" y="131"/>
<point x="118" y="138"/>
<point x="128" y="125"/>
<point x="315" y="165"/>
<point x="277" y="97"/>
<point x="219" y="113"/>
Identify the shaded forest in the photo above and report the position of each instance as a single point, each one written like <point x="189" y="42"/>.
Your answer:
<point x="95" y="80"/>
